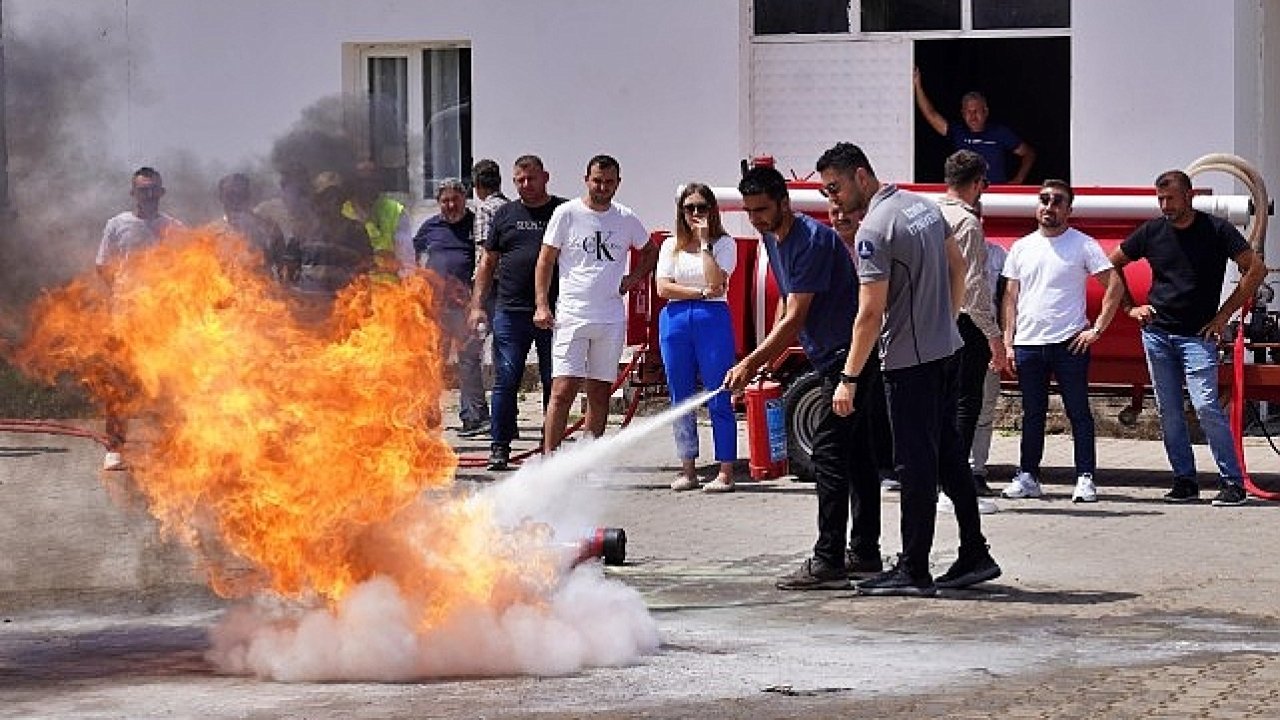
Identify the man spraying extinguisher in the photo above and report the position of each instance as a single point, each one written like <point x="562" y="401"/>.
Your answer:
<point x="815" y="272"/>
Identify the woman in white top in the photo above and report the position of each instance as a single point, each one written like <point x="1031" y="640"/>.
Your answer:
<point x="695" y="331"/>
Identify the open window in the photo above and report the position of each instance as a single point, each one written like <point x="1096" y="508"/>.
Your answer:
<point x="1027" y="83"/>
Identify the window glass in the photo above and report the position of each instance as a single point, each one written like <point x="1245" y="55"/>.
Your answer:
<point x="782" y="17"/>
<point x="446" y="95"/>
<point x="904" y="15"/>
<point x="388" y="119"/>
<point x="996" y="14"/>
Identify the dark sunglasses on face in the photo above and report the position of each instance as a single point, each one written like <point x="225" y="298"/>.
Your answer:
<point x="829" y="189"/>
<point x="1052" y="199"/>
<point x="697" y="208"/>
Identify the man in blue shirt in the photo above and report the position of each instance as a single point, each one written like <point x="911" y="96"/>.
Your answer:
<point x="444" y="244"/>
<point x="992" y="141"/>
<point x="815" y="273"/>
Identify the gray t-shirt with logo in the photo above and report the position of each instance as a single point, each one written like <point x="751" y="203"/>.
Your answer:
<point x="903" y="240"/>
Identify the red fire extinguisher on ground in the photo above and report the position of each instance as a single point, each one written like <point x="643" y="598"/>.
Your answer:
<point x="766" y="430"/>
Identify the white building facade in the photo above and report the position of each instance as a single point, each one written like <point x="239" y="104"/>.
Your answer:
<point x="1111" y="91"/>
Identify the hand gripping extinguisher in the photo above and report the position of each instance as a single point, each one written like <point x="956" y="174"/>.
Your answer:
<point x="766" y="430"/>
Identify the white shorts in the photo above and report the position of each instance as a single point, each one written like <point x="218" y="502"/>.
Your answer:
<point x="587" y="350"/>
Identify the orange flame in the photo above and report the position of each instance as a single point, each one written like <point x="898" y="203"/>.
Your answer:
<point x="290" y="457"/>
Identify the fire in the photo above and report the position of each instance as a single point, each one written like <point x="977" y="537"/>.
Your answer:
<point x="298" y="459"/>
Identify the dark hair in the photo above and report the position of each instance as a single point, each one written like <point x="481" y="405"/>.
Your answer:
<point x="525" y="162"/>
<point x="1173" y="177"/>
<point x="147" y="172"/>
<point x="486" y="175"/>
<point x="715" y="228"/>
<point x="963" y="167"/>
<point x="604" y="162"/>
<point x="845" y="158"/>
<point x="233" y="179"/>
<point x="764" y="180"/>
<point x="1062" y="185"/>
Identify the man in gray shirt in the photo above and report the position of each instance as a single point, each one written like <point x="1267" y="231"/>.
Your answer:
<point x="911" y="277"/>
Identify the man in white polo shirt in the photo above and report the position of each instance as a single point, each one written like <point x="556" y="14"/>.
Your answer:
<point x="589" y="240"/>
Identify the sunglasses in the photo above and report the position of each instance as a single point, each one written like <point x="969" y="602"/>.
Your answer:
<point x="1052" y="199"/>
<point x="829" y="189"/>
<point x="697" y="208"/>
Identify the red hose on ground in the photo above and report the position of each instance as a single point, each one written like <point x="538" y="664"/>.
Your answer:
<point x="474" y="461"/>
<point x="48" y="427"/>
<point x="1237" y="408"/>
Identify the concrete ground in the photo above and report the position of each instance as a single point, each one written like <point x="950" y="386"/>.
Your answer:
<point x="1126" y="608"/>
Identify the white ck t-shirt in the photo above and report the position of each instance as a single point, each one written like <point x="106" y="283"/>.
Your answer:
<point x="593" y="258"/>
<point x="685" y="268"/>
<point x="1052" y="274"/>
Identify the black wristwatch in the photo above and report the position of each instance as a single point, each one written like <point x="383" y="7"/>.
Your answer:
<point x="847" y="379"/>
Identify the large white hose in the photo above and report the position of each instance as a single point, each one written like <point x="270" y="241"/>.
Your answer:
<point x="1256" y="230"/>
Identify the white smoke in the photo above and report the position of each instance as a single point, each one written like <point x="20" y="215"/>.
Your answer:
<point x="587" y="619"/>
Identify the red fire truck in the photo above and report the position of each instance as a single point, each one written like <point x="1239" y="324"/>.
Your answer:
<point x="1109" y="214"/>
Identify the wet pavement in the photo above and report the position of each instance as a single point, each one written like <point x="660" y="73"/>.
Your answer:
<point x="1126" y="608"/>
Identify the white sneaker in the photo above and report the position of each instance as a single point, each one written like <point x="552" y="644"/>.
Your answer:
<point x="113" y="461"/>
<point x="986" y="506"/>
<point x="1023" y="485"/>
<point x="1085" y="491"/>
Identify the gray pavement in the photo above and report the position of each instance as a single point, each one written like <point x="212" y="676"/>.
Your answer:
<point x="1126" y="608"/>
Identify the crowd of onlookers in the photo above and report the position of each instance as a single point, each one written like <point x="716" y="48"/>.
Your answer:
<point x="901" y="305"/>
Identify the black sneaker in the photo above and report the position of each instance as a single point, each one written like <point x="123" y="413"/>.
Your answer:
<point x="472" y="428"/>
<point x="858" y="566"/>
<point x="1230" y="495"/>
<point x="1184" y="490"/>
<point x="499" y="458"/>
<point x="814" y="575"/>
<point x="969" y="570"/>
<point x="897" y="581"/>
<point x="981" y="487"/>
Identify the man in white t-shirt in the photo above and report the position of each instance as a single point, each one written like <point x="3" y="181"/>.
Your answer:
<point x="124" y="234"/>
<point x="1047" y="333"/>
<point x="589" y="240"/>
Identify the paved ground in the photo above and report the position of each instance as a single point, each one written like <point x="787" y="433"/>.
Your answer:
<point x="1128" y="608"/>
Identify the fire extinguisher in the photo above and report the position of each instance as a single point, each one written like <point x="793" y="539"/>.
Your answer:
<point x="766" y="430"/>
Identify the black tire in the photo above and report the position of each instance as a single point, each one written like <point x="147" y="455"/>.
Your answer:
<point x="801" y="405"/>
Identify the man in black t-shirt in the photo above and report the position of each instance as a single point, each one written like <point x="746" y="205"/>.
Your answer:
<point x="1182" y="323"/>
<point x="510" y="256"/>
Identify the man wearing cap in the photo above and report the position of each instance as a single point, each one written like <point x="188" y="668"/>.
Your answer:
<point x="384" y="218"/>
<point x="445" y="244"/>
<point x="334" y="249"/>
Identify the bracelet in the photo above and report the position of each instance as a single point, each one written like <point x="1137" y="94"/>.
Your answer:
<point x="703" y="293"/>
<point x="847" y="379"/>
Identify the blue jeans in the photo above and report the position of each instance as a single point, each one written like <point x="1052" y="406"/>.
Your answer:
<point x="1171" y="359"/>
<point x="696" y="338"/>
<point x="1036" y="363"/>
<point x="513" y="334"/>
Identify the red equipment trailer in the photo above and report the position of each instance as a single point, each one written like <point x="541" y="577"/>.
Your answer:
<point x="1118" y="367"/>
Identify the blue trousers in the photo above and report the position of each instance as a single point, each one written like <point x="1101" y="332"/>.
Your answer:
<point x="1171" y="360"/>
<point x="513" y="334"/>
<point x="1036" y="363"/>
<point x="696" y="338"/>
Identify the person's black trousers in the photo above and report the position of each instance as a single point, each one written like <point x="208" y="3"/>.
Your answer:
<point x="844" y="462"/>
<point x="926" y="444"/>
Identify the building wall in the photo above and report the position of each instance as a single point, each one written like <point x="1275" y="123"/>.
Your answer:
<point x="655" y="83"/>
